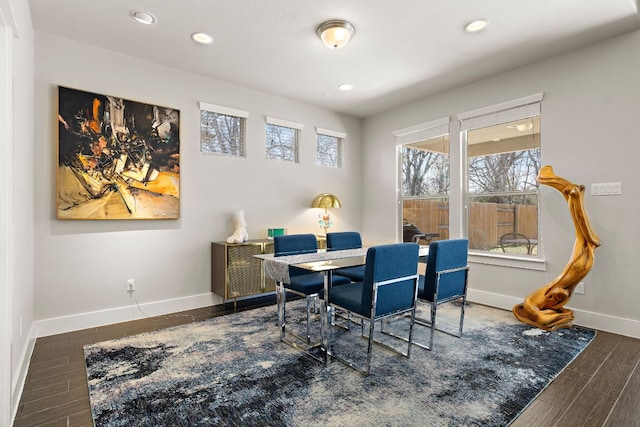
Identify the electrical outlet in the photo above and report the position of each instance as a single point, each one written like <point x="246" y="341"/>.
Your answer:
<point x="131" y="285"/>
<point x="579" y="289"/>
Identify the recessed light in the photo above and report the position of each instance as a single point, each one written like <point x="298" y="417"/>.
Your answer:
<point x="202" y="38"/>
<point x="345" y="87"/>
<point x="476" y="26"/>
<point x="143" y="17"/>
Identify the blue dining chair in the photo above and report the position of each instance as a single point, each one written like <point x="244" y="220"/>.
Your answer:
<point x="343" y="240"/>
<point x="389" y="289"/>
<point x="302" y="283"/>
<point x="445" y="280"/>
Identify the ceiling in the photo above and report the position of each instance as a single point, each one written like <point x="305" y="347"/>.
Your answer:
<point x="402" y="50"/>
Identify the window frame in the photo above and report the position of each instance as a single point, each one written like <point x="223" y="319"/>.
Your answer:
<point x="458" y="202"/>
<point x="340" y="137"/>
<point x="229" y="112"/>
<point x="494" y="115"/>
<point x="410" y="135"/>
<point x="296" y="127"/>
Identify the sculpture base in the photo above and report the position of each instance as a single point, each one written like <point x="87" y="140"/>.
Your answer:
<point x="554" y="319"/>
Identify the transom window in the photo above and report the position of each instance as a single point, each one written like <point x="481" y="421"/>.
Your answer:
<point x="282" y="140"/>
<point x="222" y="130"/>
<point x="329" y="148"/>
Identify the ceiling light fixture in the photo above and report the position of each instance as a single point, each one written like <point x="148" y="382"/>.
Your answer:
<point x="202" y="38"/>
<point x="143" y="17"/>
<point x="335" y="34"/>
<point x="523" y="127"/>
<point x="345" y="87"/>
<point x="476" y="26"/>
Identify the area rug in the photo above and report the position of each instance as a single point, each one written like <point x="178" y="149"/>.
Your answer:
<point x="233" y="371"/>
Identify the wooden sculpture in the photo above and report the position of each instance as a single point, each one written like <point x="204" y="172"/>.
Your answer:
<point x="544" y="308"/>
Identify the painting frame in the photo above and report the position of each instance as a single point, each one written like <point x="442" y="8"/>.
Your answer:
<point x="117" y="159"/>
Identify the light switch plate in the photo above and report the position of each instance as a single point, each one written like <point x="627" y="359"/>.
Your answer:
<point x="606" y="189"/>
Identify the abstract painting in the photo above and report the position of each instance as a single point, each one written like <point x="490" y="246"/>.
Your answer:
<point x="117" y="159"/>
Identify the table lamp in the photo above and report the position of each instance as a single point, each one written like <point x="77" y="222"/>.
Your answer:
<point x="325" y="201"/>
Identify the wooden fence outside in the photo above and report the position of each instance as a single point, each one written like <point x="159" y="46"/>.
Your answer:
<point x="489" y="221"/>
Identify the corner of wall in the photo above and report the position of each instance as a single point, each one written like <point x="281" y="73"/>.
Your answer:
<point x="17" y="384"/>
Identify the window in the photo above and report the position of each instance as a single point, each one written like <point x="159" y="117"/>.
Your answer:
<point x="424" y="181"/>
<point x="329" y="148"/>
<point x="503" y="160"/>
<point x="282" y="140"/>
<point x="222" y="130"/>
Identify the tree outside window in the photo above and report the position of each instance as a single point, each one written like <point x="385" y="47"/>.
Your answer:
<point x="281" y="143"/>
<point x="328" y="151"/>
<point x="222" y="134"/>
<point x="425" y="189"/>
<point x="503" y="163"/>
<point x="498" y="162"/>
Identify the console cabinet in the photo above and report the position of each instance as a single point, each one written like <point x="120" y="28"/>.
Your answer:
<point x="235" y="273"/>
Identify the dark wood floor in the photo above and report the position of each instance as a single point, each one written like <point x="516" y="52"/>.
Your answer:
<point x="600" y="388"/>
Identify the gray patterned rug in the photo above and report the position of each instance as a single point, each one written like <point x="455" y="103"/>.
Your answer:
<point x="233" y="371"/>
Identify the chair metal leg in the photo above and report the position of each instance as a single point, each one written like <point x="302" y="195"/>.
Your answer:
<point x="348" y="319"/>
<point x="464" y="302"/>
<point x="413" y="321"/>
<point x="281" y="299"/>
<point x="433" y="324"/>
<point x="308" y="301"/>
<point x="369" y="347"/>
<point x="327" y="332"/>
<point x="370" y="341"/>
<point x="409" y="339"/>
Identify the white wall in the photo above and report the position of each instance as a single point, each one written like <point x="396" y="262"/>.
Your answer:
<point x="5" y="226"/>
<point x="590" y="113"/>
<point x="82" y="266"/>
<point x="17" y="265"/>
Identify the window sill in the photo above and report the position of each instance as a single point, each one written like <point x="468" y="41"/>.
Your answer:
<point x="512" y="261"/>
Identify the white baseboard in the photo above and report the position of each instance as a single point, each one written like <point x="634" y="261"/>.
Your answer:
<point x="492" y="300"/>
<point x="59" y="325"/>
<point x="603" y="322"/>
<point x="18" y="382"/>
